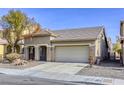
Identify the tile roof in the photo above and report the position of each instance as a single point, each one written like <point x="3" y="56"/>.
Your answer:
<point x="89" y="33"/>
<point x="43" y="33"/>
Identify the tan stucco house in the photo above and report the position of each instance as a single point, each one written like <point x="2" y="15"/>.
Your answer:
<point x="68" y="45"/>
<point x="122" y="41"/>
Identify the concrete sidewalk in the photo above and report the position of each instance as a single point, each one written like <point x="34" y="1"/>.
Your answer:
<point x="62" y="76"/>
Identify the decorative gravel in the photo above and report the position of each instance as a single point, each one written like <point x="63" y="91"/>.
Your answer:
<point x="12" y="66"/>
<point x="105" y="69"/>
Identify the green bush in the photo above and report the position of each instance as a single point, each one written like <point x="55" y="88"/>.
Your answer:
<point x="12" y="56"/>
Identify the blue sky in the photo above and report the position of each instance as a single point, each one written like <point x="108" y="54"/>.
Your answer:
<point x="55" y="18"/>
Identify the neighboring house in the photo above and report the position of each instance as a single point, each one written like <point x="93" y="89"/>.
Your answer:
<point x="3" y="42"/>
<point x="122" y="41"/>
<point x="69" y="45"/>
<point x="117" y="45"/>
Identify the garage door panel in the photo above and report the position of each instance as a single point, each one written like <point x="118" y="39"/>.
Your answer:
<point x="72" y="53"/>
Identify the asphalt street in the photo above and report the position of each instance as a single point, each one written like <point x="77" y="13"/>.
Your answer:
<point x="25" y="80"/>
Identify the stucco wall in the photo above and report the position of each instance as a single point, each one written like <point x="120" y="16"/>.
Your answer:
<point x="97" y="48"/>
<point x="38" y="40"/>
<point x="122" y="41"/>
<point x="122" y="29"/>
<point x="1" y="51"/>
<point x="73" y="42"/>
<point x="101" y="48"/>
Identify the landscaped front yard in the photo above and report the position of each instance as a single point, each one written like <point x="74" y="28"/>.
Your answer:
<point x="106" y="69"/>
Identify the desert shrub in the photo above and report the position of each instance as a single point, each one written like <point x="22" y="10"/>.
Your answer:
<point x="13" y="56"/>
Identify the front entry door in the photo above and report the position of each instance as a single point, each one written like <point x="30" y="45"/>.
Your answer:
<point x="43" y="53"/>
<point x="31" y="53"/>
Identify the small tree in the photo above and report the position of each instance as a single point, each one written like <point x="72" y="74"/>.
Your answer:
<point x="14" y="24"/>
<point x="117" y="48"/>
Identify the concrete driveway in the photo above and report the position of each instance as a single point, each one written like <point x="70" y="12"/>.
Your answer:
<point x="57" y="67"/>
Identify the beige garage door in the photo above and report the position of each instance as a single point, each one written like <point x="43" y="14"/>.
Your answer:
<point x="72" y="53"/>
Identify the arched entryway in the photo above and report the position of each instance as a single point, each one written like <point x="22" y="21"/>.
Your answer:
<point x="31" y="52"/>
<point x="43" y="53"/>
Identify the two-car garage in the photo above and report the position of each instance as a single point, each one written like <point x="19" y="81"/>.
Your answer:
<point x="76" y="53"/>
